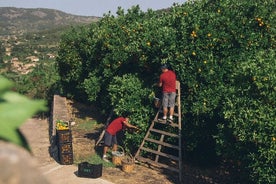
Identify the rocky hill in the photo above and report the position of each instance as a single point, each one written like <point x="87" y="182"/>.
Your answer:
<point x="14" y="21"/>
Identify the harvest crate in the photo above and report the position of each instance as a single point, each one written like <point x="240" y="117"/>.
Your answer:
<point x="64" y="136"/>
<point x="65" y="148"/>
<point x="88" y="170"/>
<point x="64" y="142"/>
<point x="66" y="159"/>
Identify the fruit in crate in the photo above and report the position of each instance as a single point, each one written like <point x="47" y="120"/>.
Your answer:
<point x="61" y="125"/>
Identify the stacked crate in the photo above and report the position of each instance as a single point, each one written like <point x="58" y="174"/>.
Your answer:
<point x="65" y="148"/>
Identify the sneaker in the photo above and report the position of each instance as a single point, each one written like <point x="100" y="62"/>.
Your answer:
<point x="136" y="161"/>
<point x="164" y="118"/>
<point x="170" y="119"/>
<point x="105" y="159"/>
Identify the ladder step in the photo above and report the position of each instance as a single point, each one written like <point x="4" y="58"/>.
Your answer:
<point x="166" y="123"/>
<point x="162" y="143"/>
<point x="160" y="153"/>
<point x="156" y="164"/>
<point x="164" y="133"/>
<point x="175" y="114"/>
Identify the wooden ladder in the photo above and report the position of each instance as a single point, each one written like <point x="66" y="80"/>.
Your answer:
<point x="161" y="146"/>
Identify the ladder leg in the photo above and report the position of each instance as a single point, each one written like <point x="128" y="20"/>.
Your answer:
<point x="159" y="148"/>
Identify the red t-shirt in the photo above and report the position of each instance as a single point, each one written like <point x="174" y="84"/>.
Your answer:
<point x="168" y="80"/>
<point x="116" y="125"/>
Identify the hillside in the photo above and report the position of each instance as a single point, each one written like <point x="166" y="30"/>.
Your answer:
<point x="28" y="36"/>
<point x="14" y="21"/>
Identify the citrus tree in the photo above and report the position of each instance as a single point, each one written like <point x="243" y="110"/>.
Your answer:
<point x="224" y="55"/>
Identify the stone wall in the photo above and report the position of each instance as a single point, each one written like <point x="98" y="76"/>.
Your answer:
<point x="59" y="111"/>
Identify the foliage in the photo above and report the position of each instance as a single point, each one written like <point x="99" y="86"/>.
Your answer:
<point x="250" y="112"/>
<point x="61" y="125"/>
<point x="224" y="55"/>
<point x="88" y="125"/>
<point x="15" y="109"/>
<point x="128" y="96"/>
<point x="40" y="83"/>
<point x="97" y="159"/>
<point x="2" y="51"/>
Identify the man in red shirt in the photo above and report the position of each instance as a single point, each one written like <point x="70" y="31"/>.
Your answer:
<point x="167" y="81"/>
<point x="113" y="128"/>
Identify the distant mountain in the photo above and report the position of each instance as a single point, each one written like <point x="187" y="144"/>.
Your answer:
<point x="14" y="21"/>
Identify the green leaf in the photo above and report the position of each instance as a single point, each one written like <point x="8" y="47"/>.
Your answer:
<point x="4" y="85"/>
<point x="15" y="109"/>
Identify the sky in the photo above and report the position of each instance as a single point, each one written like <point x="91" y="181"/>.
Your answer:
<point x="90" y="7"/>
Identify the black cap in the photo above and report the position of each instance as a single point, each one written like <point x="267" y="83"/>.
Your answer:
<point x="164" y="66"/>
<point x="125" y="114"/>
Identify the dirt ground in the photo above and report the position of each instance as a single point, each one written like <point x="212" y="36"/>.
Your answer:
<point x="84" y="144"/>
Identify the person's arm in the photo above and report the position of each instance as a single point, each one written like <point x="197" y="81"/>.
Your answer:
<point x="160" y="84"/>
<point x="128" y="124"/>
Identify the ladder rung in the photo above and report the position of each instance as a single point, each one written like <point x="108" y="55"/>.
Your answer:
<point x="156" y="164"/>
<point x="162" y="143"/>
<point x="163" y="132"/>
<point x="175" y="114"/>
<point x="165" y="123"/>
<point x="160" y="153"/>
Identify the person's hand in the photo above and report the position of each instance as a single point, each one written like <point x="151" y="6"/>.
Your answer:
<point x="133" y="129"/>
<point x="137" y="129"/>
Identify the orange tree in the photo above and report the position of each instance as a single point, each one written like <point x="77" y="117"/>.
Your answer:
<point x="224" y="55"/>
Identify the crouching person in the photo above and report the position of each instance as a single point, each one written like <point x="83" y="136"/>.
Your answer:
<point x="110" y="138"/>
